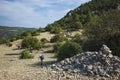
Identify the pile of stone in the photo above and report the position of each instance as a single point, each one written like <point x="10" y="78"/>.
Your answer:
<point x="101" y="63"/>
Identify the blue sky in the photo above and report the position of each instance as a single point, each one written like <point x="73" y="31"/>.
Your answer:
<point x="35" y="13"/>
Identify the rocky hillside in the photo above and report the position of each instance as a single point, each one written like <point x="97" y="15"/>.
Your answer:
<point x="100" y="22"/>
<point x="14" y="68"/>
<point x="101" y="63"/>
<point x="83" y="14"/>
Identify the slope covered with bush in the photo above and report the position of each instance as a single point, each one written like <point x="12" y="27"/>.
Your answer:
<point x="100" y="22"/>
<point x="78" y="17"/>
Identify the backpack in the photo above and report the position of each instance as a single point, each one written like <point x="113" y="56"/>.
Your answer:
<point x="41" y="57"/>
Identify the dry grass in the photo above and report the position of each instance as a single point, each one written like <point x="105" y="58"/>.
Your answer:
<point x="13" y="68"/>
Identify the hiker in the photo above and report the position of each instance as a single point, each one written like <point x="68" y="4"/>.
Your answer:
<point x="19" y="47"/>
<point x="41" y="58"/>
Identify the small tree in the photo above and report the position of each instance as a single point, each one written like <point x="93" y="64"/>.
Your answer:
<point x="26" y="55"/>
<point x="41" y="30"/>
<point x="56" y="30"/>
<point x="77" y="38"/>
<point x="35" y="33"/>
<point x="37" y="45"/>
<point x="26" y="34"/>
<point x="29" y="42"/>
<point x="44" y="40"/>
<point x="69" y="49"/>
<point x="15" y="37"/>
<point x="6" y="41"/>
<point x="57" y="46"/>
<point x="58" y="38"/>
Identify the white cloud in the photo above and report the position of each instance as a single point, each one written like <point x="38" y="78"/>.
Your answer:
<point x="34" y="13"/>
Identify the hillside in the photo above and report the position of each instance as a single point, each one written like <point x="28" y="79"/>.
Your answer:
<point x="100" y="22"/>
<point x="80" y="16"/>
<point x="9" y="32"/>
<point x="83" y="45"/>
<point x="13" y="68"/>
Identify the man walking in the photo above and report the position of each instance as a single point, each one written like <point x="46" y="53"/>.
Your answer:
<point x="41" y="58"/>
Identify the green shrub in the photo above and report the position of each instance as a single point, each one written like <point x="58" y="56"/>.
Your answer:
<point x="103" y="29"/>
<point x="58" y="38"/>
<point x="35" y="33"/>
<point x="113" y="42"/>
<point x="68" y="49"/>
<point x="37" y="45"/>
<point x="41" y="30"/>
<point x="26" y="34"/>
<point x="15" y="37"/>
<point x="56" y="30"/>
<point x="30" y="42"/>
<point x="77" y="38"/>
<point x="44" y="40"/>
<point x="92" y="45"/>
<point x="9" y="44"/>
<point x="6" y="41"/>
<point x="57" y="46"/>
<point x="26" y="55"/>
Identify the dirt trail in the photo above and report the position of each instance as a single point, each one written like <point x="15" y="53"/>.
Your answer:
<point x="12" y="67"/>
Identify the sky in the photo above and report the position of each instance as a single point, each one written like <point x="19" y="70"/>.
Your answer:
<point x="35" y="13"/>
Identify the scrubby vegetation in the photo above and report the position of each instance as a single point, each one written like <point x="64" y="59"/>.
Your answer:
<point x="6" y="41"/>
<point x="44" y="40"/>
<point x="57" y="46"/>
<point x="58" y="38"/>
<point x="12" y="32"/>
<point x="54" y="30"/>
<point x="78" y="17"/>
<point x="68" y="49"/>
<point x="100" y="22"/>
<point x="26" y="55"/>
<point x="104" y="30"/>
<point x="30" y="33"/>
<point x="77" y="38"/>
<point x="30" y="42"/>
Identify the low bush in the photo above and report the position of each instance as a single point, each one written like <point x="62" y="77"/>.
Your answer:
<point x="113" y="42"/>
<point x="37" y="45"/>
<point x="77" y="38"/>
<point x="56" y="30"/>
<point x="35" y="33"/>
<point x="30" y="42"/>
<point x="44" y="40"/>
<point x="41" y="30"/>
<point x="9" y="44"/>
<point x="57" y="46"/>
<point x="26" y="55"/>
<point x="68" y="49"/>
<point x="58" y="38"/>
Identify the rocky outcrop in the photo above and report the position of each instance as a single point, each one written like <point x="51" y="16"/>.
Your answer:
<point x="101" y="63"/>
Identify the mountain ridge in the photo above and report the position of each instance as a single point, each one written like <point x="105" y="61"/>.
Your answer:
<point x="78" y="17"/>
<point x="9" y="32"/>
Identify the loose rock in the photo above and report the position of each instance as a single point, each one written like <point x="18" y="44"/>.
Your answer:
<point x="101" y="63"/>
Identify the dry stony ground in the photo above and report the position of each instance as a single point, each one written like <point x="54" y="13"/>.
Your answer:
<point x="13" y="68"/>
